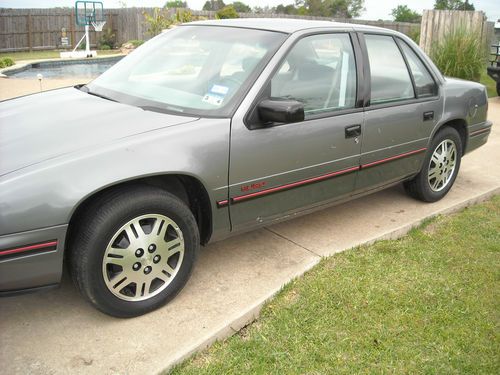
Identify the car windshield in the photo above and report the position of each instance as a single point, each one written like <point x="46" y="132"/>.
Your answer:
<point x="195" y="70"/>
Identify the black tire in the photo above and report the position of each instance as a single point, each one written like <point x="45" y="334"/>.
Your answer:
<point x="498" y="88"/>
<point x="98" y="225"/>
<point x="419" y="187"/>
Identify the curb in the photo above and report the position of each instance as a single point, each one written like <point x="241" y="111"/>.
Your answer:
<point x="235" y="323"/>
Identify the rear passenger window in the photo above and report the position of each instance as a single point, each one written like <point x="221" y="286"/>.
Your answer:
<point x="320" y="72"/>
<point x="390" y="79"/>
<point x="424" y="83"/>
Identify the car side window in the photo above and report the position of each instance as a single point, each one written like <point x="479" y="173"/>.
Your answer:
<point x="424" y="83"/>
<point x="390" y="79"/>
<point x="319" y="71"/>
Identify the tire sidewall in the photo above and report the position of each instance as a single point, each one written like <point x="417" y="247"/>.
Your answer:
<point x="111" y="217"/>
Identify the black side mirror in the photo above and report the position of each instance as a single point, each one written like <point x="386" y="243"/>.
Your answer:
<point x="281" y="111"/>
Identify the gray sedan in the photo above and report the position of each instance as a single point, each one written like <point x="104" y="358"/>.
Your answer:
<point x="211" y="129"/>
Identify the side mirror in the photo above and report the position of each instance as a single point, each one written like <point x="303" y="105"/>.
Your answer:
<point x="282" y="111"/>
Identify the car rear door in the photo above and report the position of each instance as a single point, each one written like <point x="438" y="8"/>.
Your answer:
<point x="282" y="169"/>
<point x="404" y="106"/>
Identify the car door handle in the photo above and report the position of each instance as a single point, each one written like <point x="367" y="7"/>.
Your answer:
<point x="429" y="115"/>
<point x="352" y="131"/>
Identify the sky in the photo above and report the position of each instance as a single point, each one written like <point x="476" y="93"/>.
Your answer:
<point x="375" y="9"/>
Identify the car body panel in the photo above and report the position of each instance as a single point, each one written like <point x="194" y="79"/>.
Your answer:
<point x="37" y="267"/>
<point x="387" y="133"/>
<point x="265" y="159"/>
<point x="117" y="160"/>
<point x="83" y="122"/>
<point x="60" y="148"/>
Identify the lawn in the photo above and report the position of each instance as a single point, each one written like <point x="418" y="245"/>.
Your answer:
<point x="489" y="83"/>
<point x="428" y="303"/>
<point x="50" y="54"/>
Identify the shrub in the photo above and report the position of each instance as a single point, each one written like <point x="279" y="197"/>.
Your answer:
<point x="136" y="43"/>
<point x="460" y="54"/>
<point x="157" y="21"/>
<point x="104" y="47"/>
<point x="182" y="16"/>
<point x="6" y="62"/>
<point x="108" y="38"/>
<point x="227" y="12"/>
<point x="414" y="34"/>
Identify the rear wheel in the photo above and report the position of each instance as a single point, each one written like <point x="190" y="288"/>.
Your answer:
<point x="440" y="168"/>
<point x="134" y="250"/>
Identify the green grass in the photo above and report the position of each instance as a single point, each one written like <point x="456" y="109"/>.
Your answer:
<point x="489" y="83"/>
<point x="38" y="55"/>
<point x="428" y="303"/>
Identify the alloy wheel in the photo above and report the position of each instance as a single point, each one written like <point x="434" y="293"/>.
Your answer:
<point x="143" y="257"/>
<point x="442" y="165"/>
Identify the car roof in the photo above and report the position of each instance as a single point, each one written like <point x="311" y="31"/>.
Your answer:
<point x="286" y="25"/>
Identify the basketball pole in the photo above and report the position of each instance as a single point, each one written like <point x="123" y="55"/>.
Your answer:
<point x="87" y="41"/>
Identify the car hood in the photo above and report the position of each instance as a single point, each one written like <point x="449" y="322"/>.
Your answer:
<point x="39" y="127"/>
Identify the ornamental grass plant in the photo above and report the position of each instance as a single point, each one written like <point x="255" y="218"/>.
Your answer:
<point x="461" y="54"/>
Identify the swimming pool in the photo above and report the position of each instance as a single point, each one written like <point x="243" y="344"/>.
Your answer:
<point x="88" y="68"/>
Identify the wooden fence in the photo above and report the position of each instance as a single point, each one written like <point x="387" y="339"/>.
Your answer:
<point x="437" y="23"/>
<point x="34" y="29"/>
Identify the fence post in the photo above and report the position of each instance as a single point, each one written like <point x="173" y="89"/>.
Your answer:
<point x="72" y="28"/>
<point x="30" y="38"/>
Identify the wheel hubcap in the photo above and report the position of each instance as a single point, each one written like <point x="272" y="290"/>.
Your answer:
<point x="442" y="165"/>
<point x="143" y="257"/>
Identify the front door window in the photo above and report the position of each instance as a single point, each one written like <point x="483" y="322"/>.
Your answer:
<point x="319" y="71"/>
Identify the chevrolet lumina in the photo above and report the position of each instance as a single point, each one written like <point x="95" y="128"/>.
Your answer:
<point x="211" y="129"/>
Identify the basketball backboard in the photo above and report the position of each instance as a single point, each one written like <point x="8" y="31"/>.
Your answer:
<point x="88" y="12"/>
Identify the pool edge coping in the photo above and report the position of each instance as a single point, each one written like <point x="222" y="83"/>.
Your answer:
<point x="27" y="64"/>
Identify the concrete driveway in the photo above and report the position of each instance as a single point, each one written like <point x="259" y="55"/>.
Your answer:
<point x="56" y="332"/>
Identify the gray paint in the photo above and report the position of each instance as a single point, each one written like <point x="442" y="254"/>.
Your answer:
<point x="61" y="147"/>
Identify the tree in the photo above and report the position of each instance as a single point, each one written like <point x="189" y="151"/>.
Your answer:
<point x="404" y="14"/>
<point x="453" y="5"/>
<point x="176" y="4"/>
<point x="227" y="12"/>
<point x="286" y="9"/>
<point x="266" y="9"/>
<point x="331" y="8"/>
<point x="214" y="5"/>
<point x="241" y="7"/>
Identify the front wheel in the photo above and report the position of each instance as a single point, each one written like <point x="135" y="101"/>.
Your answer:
<point x="133" y="250"/>
<point x="440" y="167"/>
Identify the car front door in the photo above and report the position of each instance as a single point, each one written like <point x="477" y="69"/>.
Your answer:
<point x="279" y="169"/>
<point x="403" y="109"/>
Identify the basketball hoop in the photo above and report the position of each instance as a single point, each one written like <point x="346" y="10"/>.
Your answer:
<point x="87" y="13"/>
<point x="98" y="25"/>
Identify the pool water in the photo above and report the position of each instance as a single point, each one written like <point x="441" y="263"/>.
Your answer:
<point x="66" y="69"/>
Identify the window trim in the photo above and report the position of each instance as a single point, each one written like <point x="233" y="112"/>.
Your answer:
<point x="368" y="105"/>
<point x="358" y="102"/>
<point x="408" y="68"/>
<point x="366" y="97"/>
<point x="399" y="42"/>
<point x="392" y="102"/>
